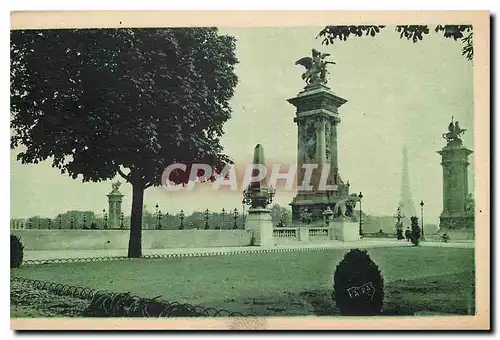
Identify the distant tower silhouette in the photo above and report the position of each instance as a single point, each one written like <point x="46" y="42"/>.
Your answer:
<point x="406" y="201"/>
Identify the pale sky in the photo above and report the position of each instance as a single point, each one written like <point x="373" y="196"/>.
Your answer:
<point x="399" y="93"/>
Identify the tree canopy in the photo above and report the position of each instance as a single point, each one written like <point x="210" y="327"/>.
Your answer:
<point x="411" y="32"/>
<point x="98" y="102"/>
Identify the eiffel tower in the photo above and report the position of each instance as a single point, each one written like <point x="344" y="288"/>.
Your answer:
<point x="406" y="201"/>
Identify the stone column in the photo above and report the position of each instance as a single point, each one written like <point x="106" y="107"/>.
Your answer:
<point x="321" y="150"/>
<point x="454" y="160"/>
<point x="259" y="219"/>
<point x="316" y="104"/>
<point x="114" y="207"/>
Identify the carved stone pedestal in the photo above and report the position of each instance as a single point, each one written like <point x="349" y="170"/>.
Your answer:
<point x="317" y="120"/>
<point x="259" y="221"/>
<point x="454" y="160"/>
<point x="115" y="207"/>
<point x="344" y="230"/>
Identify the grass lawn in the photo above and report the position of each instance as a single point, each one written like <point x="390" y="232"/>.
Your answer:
<point x="416" y="279"/>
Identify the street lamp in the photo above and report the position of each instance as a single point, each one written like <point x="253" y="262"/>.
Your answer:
<point x="158" y="216"/>
<point x="235" y="216"/>
<point x="40" y="223"/>
<point x="105" y="220"/>
<point x="84" y="222"/>
<point x="60" y="222"/>
<point x="399" y="226"/>
<point x="121" y="221"/>
<point x="422" y="219"/>
<point x="223" y="214"/>
<point x="399" y="215"/>
<point x="360" y="222"/>
<point x="206" y="220"/>
<point x="71" y="221"/>
<point x="167" y="216"/>
<point x="181" y="216"/>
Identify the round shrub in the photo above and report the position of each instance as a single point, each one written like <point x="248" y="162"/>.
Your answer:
<point x="16" y="252"/>
<point x="358" y="285"/>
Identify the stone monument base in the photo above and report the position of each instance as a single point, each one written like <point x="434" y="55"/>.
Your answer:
<point x="259" y="221"/>
<point x="343" y="230"/>
<point x="450" y="221"/>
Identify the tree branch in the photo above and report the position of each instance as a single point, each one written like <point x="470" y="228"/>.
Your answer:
<point x="127" y="177"/>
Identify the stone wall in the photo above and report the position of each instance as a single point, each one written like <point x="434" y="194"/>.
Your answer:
<point x="39" y="239"/>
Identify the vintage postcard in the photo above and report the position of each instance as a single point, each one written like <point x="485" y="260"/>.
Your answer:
<point x="250" y="170"/>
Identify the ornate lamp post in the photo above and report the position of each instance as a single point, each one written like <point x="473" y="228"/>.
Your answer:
<point x="158" y="217"/>
<point x="84" y="222"/>
<point x="360" y="221"/>
<point x="121" y="221"/>
<point x="235" y="216"/>
<point x="105" y="220"/>
<point x="181" y="216"/>
<point x="422" y="219"/>
<point x="399" y="215"/>
<point x="60" y="222"/>
<point x="223" y="215"/>
<point x="206" y="220"/>
<point x="399" y="226"/>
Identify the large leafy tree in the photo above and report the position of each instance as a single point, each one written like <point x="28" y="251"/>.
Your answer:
<point x="415" y="33"/>
<point x="102" y="102"/>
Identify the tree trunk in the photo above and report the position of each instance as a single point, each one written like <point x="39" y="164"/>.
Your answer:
<point x="135" y="241"/>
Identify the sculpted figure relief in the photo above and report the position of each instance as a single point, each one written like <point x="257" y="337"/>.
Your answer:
<point x="116" y="186"/>
<point x="315" y="67"/>
<point x="454" y="132"/>
<point x="345" y="207"/>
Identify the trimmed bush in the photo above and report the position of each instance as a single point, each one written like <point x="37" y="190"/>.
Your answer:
<point x="358" y="285"/>
<point x="16" y="252"/>
<point x="415" y="231"/>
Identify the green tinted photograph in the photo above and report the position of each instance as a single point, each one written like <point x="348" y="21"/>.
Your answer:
<point x="243" y="171"/>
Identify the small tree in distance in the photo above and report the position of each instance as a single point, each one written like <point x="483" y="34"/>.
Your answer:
<point x="415" y="231"/>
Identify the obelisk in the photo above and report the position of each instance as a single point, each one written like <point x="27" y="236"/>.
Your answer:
<point x="406" y="202"/>
<point x="259" y="196"/>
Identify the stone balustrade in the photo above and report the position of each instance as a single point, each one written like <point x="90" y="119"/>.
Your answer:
<point x="289" y="233"/>
<point x="319" y="232"/>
